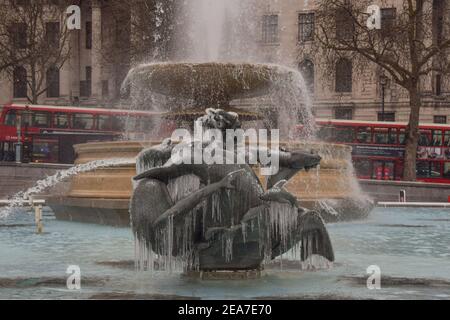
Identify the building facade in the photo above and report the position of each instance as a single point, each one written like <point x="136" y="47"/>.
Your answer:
<point x="94" y="72"/>
<point x="89" y="76"/>
<point x="288" y="28"/>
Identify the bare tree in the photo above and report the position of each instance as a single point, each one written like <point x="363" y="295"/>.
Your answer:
<point x="148" y="25"/>
<point x="412" y="43"/>
<point x="34" y="38"/>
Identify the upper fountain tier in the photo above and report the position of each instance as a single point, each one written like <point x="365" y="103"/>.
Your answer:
<point x="207" y="84"/>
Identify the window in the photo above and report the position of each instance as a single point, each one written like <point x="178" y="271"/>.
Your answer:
<point x="270" y="28"/>
<point x="344" y="135"/>
<point x="343" y="113"/>
<point x="20" y="82"/>
<point x="427" y="169"/>
<point x="83" y="121"/>
<point x="305" y="27"/>
<point x="447" y="139"/>
<point x="440" y="119"/>
<point x="364" y="135"/>
<point x="438" y="21"/>
<point x="104" y="122"/>
<point x="86" y="86"/>
<point x="385" y="136"/>
<point x="10" y="118"/>
<point x="344" y="25"/>
<point x="438" y="84"/>
<point x="326" y="133"/>
<point x="363" y="168"/>
<point x="88" y="35"/>
<point x="425" y="139"/>
<point x="307" y="70"/>
<point x="118" y="123"/>
<point x="41" y="120"/>
<point x="447" y="170"/>
<point x="61" y="121"/>
<point x="52" y="34"/>
<point x="105" y="88"/>
<point x="437" y="137"/>
<point x="402" y="137"/>
<point x="388" y="19"/>
<point x="387" y="116"/>
<point x="344" y="75"/>
<point x="53" y="82"/>
<point x="18" y="35"/>
<point x="22" y="3"/>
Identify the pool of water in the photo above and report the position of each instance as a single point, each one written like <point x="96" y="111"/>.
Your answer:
<point x="410" y="246"/>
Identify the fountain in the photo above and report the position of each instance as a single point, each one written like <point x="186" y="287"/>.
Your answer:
<point x="217" y="217"/>
<point x="220" y="229"/>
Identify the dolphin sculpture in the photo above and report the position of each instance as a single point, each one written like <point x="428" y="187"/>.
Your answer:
<point x="222" y="218"/>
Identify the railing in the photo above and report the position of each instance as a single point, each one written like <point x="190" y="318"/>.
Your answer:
<point x="37" y="205"/>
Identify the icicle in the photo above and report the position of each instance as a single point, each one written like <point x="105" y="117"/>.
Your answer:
<point x="183" y="186"/>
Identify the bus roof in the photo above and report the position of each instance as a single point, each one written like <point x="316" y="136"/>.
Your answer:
<point x="81" y="109"/>
<point x="380" y="123"/>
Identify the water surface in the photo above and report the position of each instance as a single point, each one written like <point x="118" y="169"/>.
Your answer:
<point x="411" y="247"/>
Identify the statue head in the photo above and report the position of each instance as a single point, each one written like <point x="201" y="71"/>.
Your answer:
<point x="303" y="160"/>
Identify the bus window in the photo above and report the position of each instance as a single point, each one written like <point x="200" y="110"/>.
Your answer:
<point x="425" y="138"/>
<point x="426" y="169"/>
<point x="132" y="124"/>
<point x="381" y="136"/>
<point x="83" y="121"/>
<point x="362" y="168"/>
<point x="364" y="135"/>
<point x="41" y="120"/>
<point x="326" y="134"/>
<point x="344" y="135"/>
<point x="437" y="138"/>
<point x="104" y="122"/>
<point x="402" y="137"/>
<point x="118" y="123"/>
<point x="447" y="139"/>
<point x="45" y="151"/>
<point x="61" y="120"/>
<point x="10" y="118"/>
<point x="7" y="151"/>
<point x="447" y="170"/>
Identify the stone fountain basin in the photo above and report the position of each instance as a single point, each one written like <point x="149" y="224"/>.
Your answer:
<point x="102" y="196"/>
<point x="207" y="84"/>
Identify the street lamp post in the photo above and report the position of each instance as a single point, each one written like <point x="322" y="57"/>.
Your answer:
<point x="20" y="119"/>
<point x="19" y="144"/>
<point x="383" y="83"/>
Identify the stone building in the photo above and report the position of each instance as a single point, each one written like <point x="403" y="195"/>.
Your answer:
<point x="97" y="65"/>
<point x="287" y="37"/>
<point x="89" y="77"/>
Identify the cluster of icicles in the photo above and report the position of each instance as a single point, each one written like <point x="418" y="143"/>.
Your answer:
<point x="280" y="221"/>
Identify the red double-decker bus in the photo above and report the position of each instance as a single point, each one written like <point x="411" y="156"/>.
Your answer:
<point x="48" y="133"/>
<point x="379" y="148"/>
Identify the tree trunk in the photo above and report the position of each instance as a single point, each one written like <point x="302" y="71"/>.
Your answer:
<point x="412" y="134"/>
<point x="34" y="97"/>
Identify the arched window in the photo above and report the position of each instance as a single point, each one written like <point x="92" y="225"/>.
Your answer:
<point x="306" y="67"/>
<point x="344" y="72"/>
<point x="20" y="82"/>
<point x="52" y="82"/>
